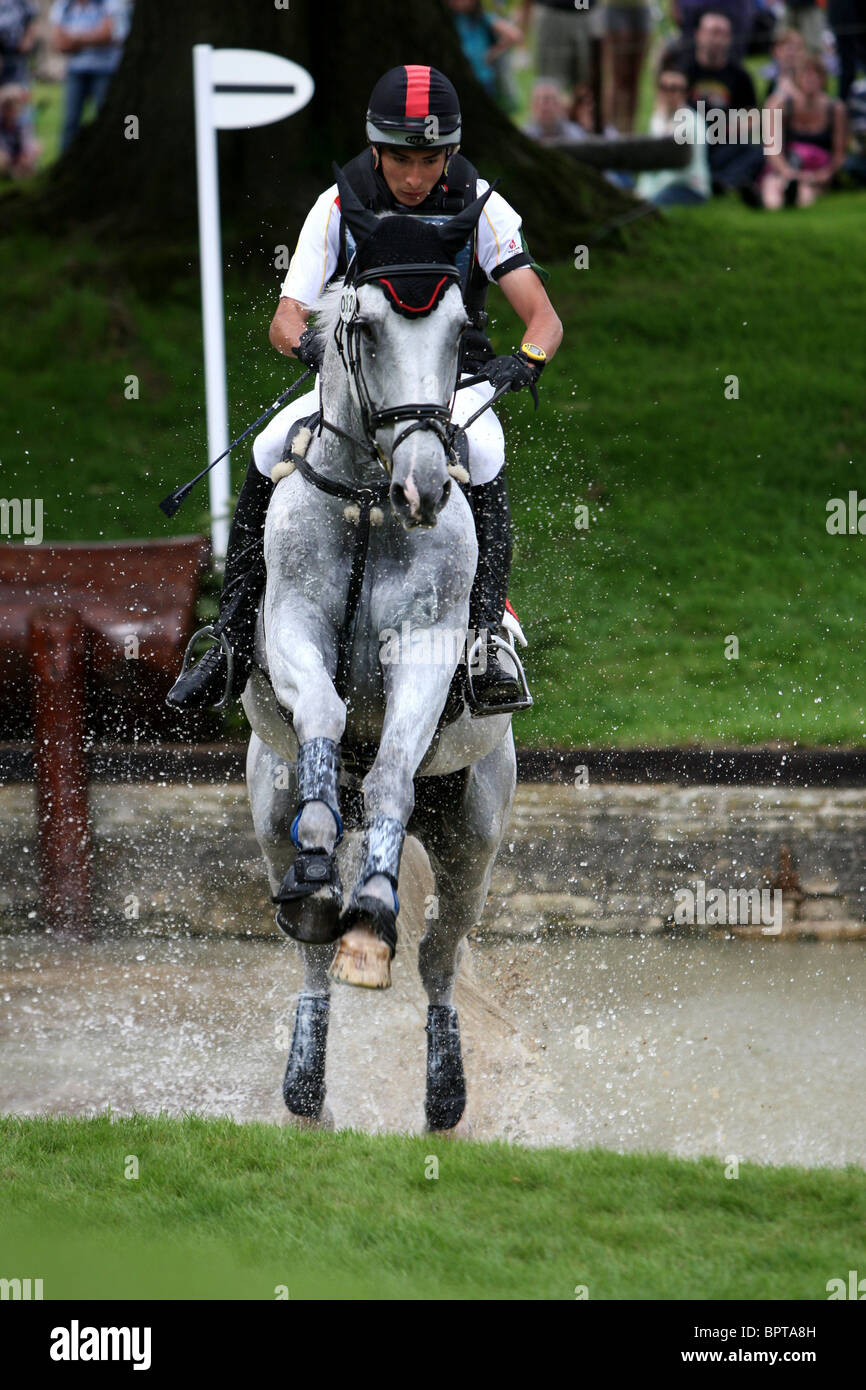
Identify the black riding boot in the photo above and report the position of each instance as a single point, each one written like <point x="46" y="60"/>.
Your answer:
<point x="494" y="686"/>
<point x="243" y="581"/>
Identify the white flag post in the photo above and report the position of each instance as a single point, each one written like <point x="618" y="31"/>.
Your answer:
<point x="234" y="88"/>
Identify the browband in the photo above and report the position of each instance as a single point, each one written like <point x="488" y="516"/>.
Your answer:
<point x="427" y="268"/>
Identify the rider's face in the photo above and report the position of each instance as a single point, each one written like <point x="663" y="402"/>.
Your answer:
<point x="412" y="174"/>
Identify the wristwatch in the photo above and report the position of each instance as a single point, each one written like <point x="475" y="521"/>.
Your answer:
<point x="534" y="354"/>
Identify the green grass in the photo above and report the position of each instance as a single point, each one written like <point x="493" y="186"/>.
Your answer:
<point x="712" y="518"/>
<point x="221" y="1210"/>
<point x="707" y="515"/>
<point x="48" y="106"/>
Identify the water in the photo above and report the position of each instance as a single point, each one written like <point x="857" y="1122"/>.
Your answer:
<point x="736" y="1048"/>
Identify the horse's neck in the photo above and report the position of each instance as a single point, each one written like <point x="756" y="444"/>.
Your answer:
<point x="349" y="462"/>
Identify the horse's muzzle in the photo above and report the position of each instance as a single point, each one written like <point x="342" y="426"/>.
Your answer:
<point x="416" y="508"/>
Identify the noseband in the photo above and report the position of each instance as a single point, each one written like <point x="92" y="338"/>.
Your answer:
<point x="347" y="336"/>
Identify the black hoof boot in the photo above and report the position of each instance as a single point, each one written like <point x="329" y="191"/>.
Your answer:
<point x="446" y="1084"/>
<point x="304" y="1082"/>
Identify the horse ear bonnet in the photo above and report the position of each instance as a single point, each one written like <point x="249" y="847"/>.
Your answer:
<point x="401" y="246"/>
<point x="406" y="241"/>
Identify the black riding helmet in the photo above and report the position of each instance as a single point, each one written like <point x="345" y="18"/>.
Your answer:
<point x="415" y="106"/>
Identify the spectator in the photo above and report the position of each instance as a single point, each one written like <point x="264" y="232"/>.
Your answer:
<point x="671" y="114"/>
<point x="847" y="19"/>
<point x="789" y="49"/>
<point x="19" y="151"/>
<point x="715" y="79"/>
<point x="814" y="140"/>
<point x="549" y="124"/>
<point x="625" y="29"/>
<point x="564" y="38"/>
<point x="806" y="18"/>
<point x="19" y="21"/>
<point x="687" y="15"/>
<point x="91" y="33"/>
<point x="582" y="110"/>
<point x="485" y="39"/>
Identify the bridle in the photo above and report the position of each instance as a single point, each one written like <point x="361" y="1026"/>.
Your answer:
<point x="347" y="336"/>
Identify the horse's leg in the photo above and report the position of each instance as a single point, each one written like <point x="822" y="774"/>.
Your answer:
<point x="301" y="651"/>
<point x="462" y="835"/>
<point x="414" y="697"/>
<point x="272" y="786"/>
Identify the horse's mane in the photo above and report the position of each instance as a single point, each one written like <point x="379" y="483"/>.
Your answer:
<point x="326" y="312"/>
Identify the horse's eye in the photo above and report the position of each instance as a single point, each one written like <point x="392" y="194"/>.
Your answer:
<point x="366" y="330"/>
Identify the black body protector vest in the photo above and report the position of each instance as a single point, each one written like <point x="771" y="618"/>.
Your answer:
<point x="444" y="202"/>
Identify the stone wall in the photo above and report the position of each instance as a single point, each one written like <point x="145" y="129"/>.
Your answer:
<point x="610" y="858"/>
<point x="599" y="859"/>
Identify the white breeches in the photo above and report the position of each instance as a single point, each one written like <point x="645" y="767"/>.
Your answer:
<point x="486" y="440"/>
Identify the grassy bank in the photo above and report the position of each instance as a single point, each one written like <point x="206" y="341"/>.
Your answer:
<point x="219" y="1210"/>
<point x="706" y="515"/>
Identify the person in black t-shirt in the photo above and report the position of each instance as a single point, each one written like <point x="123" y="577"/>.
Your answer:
<point x="721" y="84"/>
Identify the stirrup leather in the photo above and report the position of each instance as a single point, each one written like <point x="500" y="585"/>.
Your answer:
<point x="509" y="707"/>
<point x="210" y="631"/>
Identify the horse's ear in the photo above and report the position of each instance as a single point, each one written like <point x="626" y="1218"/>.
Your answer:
<point x="360" y="220"/>
<point x="457" y="229"/>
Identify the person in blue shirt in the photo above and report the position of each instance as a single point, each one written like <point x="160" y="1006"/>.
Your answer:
<point x="19" y="28"/>
<point x="19" y="21"/>
<point x="485" y="38"/>
<point x="91" y="33"/>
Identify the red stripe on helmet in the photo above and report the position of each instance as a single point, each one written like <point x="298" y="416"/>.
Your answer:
<point x="417" y="90"/>
<point x="412" y="308"/>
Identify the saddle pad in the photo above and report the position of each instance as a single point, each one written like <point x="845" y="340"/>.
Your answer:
<point x="310" y="422"/>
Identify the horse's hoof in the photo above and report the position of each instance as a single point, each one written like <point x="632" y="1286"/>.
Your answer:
<point x="362" y="959"/>
<point x="313" y="922"/>
<point x="323" y="1121"/>
<point x="464" y="1129"/>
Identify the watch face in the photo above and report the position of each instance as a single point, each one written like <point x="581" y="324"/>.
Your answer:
<point x="536" y="353"/>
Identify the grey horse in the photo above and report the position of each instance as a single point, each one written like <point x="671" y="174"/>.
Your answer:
<point x="387" y="382"/>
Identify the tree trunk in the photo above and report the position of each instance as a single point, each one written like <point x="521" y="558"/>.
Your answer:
<point x="131" y="189"/>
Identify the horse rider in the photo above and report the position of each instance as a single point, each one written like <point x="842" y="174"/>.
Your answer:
<point x="411" y="167"/>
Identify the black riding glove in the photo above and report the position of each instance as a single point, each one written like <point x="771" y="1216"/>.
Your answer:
<point x="310" y="349"/>
<point x="513" y="370"/>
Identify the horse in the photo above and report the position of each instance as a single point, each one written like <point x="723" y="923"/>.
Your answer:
<point x="364" y="520"/>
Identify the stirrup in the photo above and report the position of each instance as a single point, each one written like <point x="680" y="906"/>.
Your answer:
<point x="509" y="707"/>
<point x="210" y="631"/>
